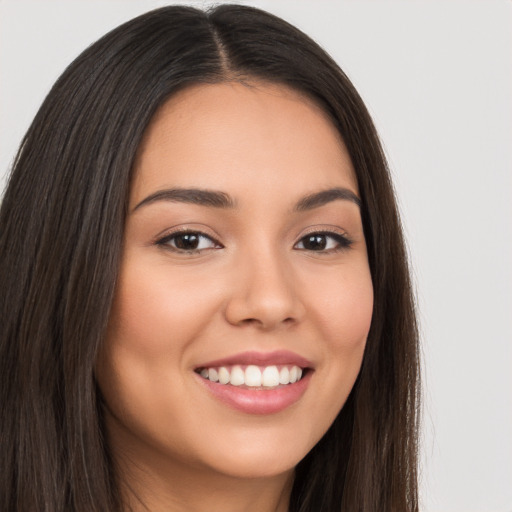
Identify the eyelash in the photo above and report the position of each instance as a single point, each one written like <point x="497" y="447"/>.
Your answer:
<point x="164" y="241"/>
<point x="342" y="241"/>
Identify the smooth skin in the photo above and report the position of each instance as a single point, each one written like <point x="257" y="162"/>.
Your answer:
<point x="257" y="279"/>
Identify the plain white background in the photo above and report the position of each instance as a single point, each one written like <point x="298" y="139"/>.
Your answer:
<point x="437" y="78"/>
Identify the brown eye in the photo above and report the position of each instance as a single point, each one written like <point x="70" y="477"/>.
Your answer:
<point x="323" y="242"/>
<point x="314" y="242"/>
<point x="188" y="241"/>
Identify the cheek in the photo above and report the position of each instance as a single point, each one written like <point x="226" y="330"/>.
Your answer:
<point x="343" y="308"/>
<point x="157" y="312"/>
<point x="156" y="316"/>
<point x="343" y="312"/>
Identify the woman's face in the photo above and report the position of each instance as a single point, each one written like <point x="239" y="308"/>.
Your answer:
<point x="244" y="260"/>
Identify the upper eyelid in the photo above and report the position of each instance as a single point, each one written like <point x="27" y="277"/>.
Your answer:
<point x="347" y="241"/>
<point x="310" y="231"/>
<point x="324" y="231"/>
<point x="169" y="236"/>
<point x="332" y="232"/>
<point x="175" y="231"/>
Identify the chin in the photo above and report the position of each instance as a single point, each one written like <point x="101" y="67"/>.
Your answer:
<point x="258" y="454"/>
<point x="260" y="467"/>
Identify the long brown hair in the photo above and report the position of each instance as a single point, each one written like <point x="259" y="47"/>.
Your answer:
<point x="62" y="222"/>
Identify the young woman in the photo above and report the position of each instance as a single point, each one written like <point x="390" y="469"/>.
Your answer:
<point x="206" y="302"/>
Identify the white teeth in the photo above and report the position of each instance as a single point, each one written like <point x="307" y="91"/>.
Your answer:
<point x="253" y="376"/>
<point x="223" y="375"/>
<point x="270" y="376"/>
<point x="237" y="376"/>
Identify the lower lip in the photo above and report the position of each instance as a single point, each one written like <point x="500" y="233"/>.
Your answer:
<point x="259" y="401"/>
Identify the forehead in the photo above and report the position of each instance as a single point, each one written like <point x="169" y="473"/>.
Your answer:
<point x="239" y="137"/>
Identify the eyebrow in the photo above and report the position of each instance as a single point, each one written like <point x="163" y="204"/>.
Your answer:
<point x="323" y="197"/>
<point x="198" y="196"/>
<point x="217" y="199"/>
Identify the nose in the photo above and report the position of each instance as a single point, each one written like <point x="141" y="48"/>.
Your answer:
<point x="264" y="293"/>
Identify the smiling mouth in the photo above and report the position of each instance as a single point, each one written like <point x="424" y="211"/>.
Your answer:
<point x="254" y="377"/>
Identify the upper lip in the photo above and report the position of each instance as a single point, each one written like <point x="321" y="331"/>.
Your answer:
<point x="278" y="357"/>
